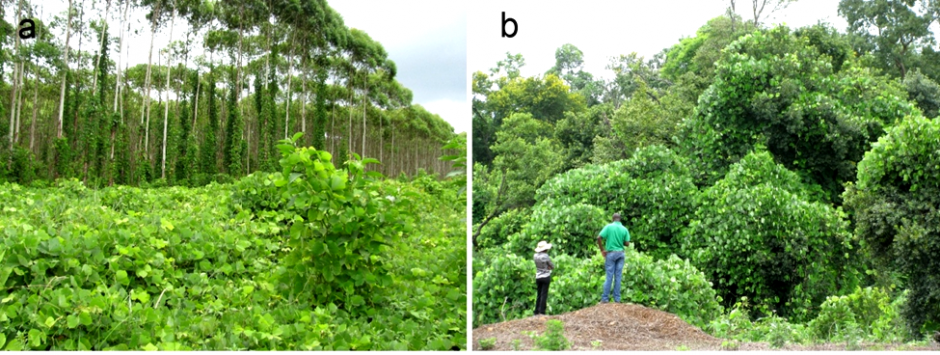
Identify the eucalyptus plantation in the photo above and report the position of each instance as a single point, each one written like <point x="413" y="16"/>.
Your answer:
<point x="176" y="203"/>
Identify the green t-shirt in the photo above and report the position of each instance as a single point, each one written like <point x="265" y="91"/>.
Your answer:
<point x="614" y="235"/>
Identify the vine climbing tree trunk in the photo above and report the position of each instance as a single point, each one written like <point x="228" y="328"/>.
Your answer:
<point x="104" y="34"/>
<point x="65" y="61"/>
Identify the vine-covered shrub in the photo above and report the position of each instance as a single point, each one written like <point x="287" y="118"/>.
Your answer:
<point x="757" y="239"/>
<point x="653" y="191"/>
<point x="341" y="226"/>
<point x="504" y="289"/>
<point x="777" y="89"/>
<point x="869" y="309"/>
<point x="867" y="314"/>
<point x="177" y="268"/>
<point x="572" y="229"/>
<point x="498" y="230"/>
<point x="256" y="193"/>
<point x="897" y="212"/>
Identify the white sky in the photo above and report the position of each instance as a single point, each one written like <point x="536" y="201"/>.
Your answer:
<point x="602" y="29"/>
<point x="425" y="38"/>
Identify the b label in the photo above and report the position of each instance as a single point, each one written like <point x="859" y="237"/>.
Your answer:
<point x="515" y="26"/>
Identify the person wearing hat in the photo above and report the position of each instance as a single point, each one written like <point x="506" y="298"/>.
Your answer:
<point x="543" y="275"/>
<point x="612" y="240"/>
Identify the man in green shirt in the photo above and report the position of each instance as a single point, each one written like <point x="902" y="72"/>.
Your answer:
<point x="612" y="239"/>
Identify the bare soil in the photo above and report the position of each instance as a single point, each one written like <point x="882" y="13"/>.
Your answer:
<point x="624" y="326"/>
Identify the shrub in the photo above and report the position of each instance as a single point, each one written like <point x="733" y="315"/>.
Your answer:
<point x="488" y="343"/>
<point x="553" y="338"/>
<point x="756" y="239"/>
<point x="779" y="90"/>
<point x="572" y="229"/>
<point x="504" y="289"/>
<point x="653" y="191"/>
<point x="896" y="204"/>
<point x="867" y="308"/>
<point x="256" y="193"/>
<point x="498" y="230"/>
<point x="340" y="227"/>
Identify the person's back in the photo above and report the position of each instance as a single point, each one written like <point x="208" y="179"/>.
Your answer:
<point x="615" y="236"/>
<point x="543" y="276"/>
<point x="612" y="239"/>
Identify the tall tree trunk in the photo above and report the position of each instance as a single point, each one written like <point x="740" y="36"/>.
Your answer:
<point x="303" y="89"/>
<point x="117" y="78"/>
<point x="65" y="70"/>
<point x="381" y="139"/>
<point x="196" y="102"/>
<point x="333" y="129"/>
<point x="147" y="82"/>
<point x="166" y="110"/>
<point x="238" y="72"/>
<point x="104" y="34"/>
<point x="365" y="99"/>
<point x="290" y="74"/>
<point x="17" y="68"/>
<point x="349" y="127"/>
<point x="19" y="105"/>
<point x="32" y="123"/>
<point x="248" y="151"/>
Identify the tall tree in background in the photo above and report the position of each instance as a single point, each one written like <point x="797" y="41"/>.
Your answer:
<point x="893" y="30"/>
<point x="78" y="97"/>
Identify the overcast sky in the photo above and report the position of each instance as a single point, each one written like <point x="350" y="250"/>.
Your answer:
<point x="427" y="39"/>
<point x="602" y="29"/>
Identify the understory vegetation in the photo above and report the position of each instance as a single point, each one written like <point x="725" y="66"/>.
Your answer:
<point x="314" y="257"/>
<point x="780" y="184"/>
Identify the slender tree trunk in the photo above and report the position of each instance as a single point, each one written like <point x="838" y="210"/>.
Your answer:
<point x="196" y="102"/>
<point x="32" y="123"/>
<point x="166" y="110"/>
<point x="147" y="82"/>
<point x="349" y="127"/>
<point x="303" y="89"/>
<point x="123" y="84"/>
<point x="365" y="101"/>
<point x="17" y="68"/>
<point x="117" y="79"/>
<point x="19" y="105"/>
<point x="381" y="140"/>
<point x="333" y="129"/>
<point x="104" y="34"/>
<point x="238" y="70"/>
<point x="248" y="152"/>
<point x="65" y="70"/>
<point x="290" y="74"/>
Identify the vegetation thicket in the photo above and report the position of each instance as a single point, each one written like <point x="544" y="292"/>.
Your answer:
<point x="788" y="174"/>
<point x="313" y="257"/>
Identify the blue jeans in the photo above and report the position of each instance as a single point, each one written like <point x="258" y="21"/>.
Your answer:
<point x="614" y="267"/>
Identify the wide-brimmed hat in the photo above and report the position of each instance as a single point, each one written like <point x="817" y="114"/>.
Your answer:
<point x="543" y="246"/>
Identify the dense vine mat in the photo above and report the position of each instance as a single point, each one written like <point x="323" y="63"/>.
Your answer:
<point x="626" y="326"/>
<point x="194" y="268"/>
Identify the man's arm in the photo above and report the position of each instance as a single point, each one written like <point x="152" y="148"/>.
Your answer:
<point x="600" y="243"/>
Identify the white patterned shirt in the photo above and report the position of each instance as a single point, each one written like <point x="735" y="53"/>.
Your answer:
<point x="543" y="265"/>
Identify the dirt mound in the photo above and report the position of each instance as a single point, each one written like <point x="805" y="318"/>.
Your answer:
<point x="615" y="325"/>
